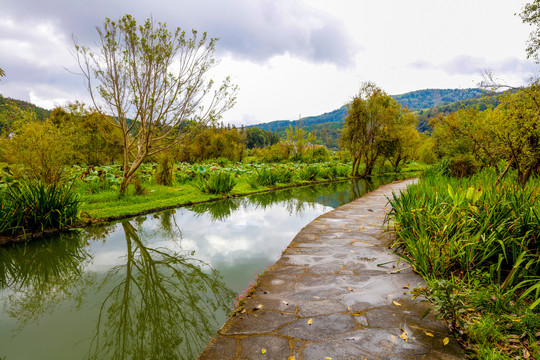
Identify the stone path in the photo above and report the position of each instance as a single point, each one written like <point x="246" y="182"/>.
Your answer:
<point x="336" y="293"/>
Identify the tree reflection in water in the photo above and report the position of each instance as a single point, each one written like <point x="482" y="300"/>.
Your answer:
<point x="40" y="274"/>
<point x="161" y="305"/>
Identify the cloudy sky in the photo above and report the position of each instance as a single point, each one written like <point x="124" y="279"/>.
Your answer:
<point x="290" y="58"/>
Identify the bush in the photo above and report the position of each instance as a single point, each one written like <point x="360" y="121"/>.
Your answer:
<point x="219" y="182"/>
<point x="462" y="166"/>
<point x="35" y="206"/>
<point x="164" y="174"/>
<point x="309" y="173"/>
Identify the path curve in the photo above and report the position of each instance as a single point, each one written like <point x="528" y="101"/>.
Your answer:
<point x="335" y="293"/>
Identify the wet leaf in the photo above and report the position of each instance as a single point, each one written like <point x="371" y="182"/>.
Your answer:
<point x="396" y="303"/>
<point x="404" y="335"/>
<point x="428" y="333"/>
<point x="445" y="341"/>
<point x="406" y="286"/>
<point x="310" y="321"/>
<point x="263" y="351"/>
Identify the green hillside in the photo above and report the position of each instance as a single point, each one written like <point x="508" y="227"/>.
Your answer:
<point x="426" y="103"/>
<point x="423" y="99"/>
<point x="41" y="113"/>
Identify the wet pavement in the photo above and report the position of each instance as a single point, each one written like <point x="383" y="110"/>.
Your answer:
<point x="337" y="292"/>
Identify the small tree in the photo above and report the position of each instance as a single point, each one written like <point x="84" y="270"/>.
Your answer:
<point x="152" y="83"/>
<point x="371" y="116"/>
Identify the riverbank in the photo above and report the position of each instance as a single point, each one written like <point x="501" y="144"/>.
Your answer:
<point x="106" y="206"/>
<point x="337" y="292"/>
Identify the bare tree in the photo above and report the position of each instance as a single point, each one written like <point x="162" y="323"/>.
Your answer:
<point x="151" y="83"/>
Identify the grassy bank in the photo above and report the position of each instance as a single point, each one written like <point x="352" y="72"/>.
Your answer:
<point x="196" y="183"/>
<point x="477" y="245"/>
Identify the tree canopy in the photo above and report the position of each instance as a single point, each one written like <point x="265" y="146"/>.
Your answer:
<point x="151" y="83"/>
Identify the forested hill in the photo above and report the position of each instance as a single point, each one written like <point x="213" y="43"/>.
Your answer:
<point x="41" y="113"/>
<point x="414" y="100"/>
<point x="423" y="99"/>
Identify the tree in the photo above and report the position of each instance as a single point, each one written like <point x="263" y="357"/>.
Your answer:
<point x="531" y="16"/>
<point x="152" y="83"/>
<point x="402" y="139"/>
<point x="370" y="117"/>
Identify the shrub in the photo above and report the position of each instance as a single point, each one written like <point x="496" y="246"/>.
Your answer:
<point x="308" y="173"/>
<point x="219" y="182"/>
<point x="266" y="176"/>
<point x="164" y="174"/>
<point x="462" y="166"/>
<point x="35" y="206"/>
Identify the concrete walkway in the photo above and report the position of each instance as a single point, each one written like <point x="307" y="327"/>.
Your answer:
<point x="335" y="294"/>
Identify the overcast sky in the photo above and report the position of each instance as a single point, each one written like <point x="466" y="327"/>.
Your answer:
<point x="290" y="58"/>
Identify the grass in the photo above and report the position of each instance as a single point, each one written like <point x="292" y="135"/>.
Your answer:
<point x="35" y="206"/>
<point x="477" y="245"/>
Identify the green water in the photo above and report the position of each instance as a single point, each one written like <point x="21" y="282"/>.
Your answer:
<point x="151" y="287"/>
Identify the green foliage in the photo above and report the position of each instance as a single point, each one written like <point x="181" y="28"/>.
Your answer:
<point x="219" y="182"/>
<point x="43" y="151"/>
<point x="266" y="176"/>
<point x="130" y="73"/>
<point x="463" y="166"/>
<point x="164" y="174"/>
<point x="476" y="243"/>
<point x="371" y="120"/>
<point x="309" y="173"/>
<point x="35" y="206"/>
<point x="212" y="143"/>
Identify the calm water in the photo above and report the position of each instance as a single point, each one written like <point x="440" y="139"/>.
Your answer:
<point x="151" y="287"/>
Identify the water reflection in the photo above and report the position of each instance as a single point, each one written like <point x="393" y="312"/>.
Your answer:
<point x="145" y="287"/>
<point x="296" y="199"/>
<point x="37" y="276"/>
<point x="160" y="305"/>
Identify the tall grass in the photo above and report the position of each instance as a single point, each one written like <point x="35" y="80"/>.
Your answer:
<point x="478" y="247"/>
<point x="448" y="226"/>
<point x="35" y="206"/>
<point x="219" y="182"/>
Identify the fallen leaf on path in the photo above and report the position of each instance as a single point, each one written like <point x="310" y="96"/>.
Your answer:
<point x="428" y="334"/>
<point x="328" y="358"/>
<point x="292" y="357"/>
<point x="406" y="286"/>
<point x="396" y="303"/>
<point x="259" y="306"/>
<point x="393" y="338"/>
<point x="263" y="351"/>
<point x="390" y="295"/>
<point x="404" y="335"/>
<point x="445" y="341"/>
<point x="310" y="321"/>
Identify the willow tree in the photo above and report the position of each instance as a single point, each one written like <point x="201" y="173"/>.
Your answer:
<point x="371" y="117"/>
<point x="152" y="84"/>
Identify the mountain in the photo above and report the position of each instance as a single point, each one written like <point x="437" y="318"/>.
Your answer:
<point x="41" y="113"/>
<point x="326" y="127"/>
<point x="423" y="99"/>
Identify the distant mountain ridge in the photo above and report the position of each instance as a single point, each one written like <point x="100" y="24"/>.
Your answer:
<point x="414" y="100"/>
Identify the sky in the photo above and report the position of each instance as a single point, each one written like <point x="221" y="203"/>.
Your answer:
<point x="289" y="58"/>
